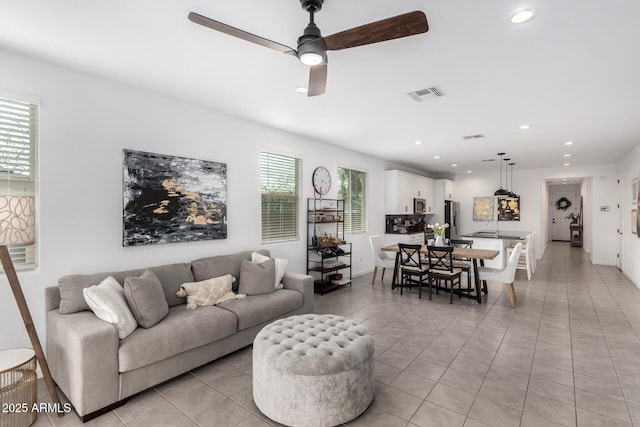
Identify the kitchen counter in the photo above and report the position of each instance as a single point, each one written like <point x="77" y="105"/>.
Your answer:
<point x="505" y="235"/>
<point x="492" y="239"/>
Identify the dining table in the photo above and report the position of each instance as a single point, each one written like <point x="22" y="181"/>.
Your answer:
<point x="470" y="253"/>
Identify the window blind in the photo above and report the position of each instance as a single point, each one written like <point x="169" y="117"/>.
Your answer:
<point x="17" y="162"/>
<point x="280" y="182"/>
<point x="17" y="138"/>
<point x="351" y="188"/>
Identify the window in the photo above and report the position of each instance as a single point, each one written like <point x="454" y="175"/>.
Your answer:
<point x="17" y="177"/>
<point x="352" y="188"/>
<point x="280" y="182"/>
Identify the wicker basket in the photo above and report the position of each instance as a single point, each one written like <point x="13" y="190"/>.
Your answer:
<point x="18" y="391"/>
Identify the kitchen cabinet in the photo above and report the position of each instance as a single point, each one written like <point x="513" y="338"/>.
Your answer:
<point x="409" y="238"/>
<point x="443" y="190"/>
<point x="400" y="188"/>
<point x="425" y="191"/>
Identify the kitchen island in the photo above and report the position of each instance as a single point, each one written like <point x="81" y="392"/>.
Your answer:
<point x="498" y="240"/>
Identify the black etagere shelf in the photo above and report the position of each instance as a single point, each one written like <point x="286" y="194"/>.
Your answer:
<point x="328" y="254"/>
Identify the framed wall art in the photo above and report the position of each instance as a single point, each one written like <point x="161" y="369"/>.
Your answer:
<point x="634" y="190"/>
<point x="634" y="221"/>
<point x="508" y="209"/>
<point x="170" y="199"/>
<point x="483" y="208"/>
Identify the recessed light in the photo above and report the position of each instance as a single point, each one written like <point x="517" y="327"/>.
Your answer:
<point x="568" y="143"/>
<point x="418" y="142"/>
<point x="522" y="16"/>
<point x="469" y="171"/>
<point x="567" y="155"/>
<point x="454" y="165"/>
<point x="525" y="127"/>
<point x="567" y="164"/>
<point x="436" y="157"/>
<point x="301" y="89"/>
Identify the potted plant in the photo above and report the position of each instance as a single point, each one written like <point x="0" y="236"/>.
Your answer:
<point x="575" y="218"/>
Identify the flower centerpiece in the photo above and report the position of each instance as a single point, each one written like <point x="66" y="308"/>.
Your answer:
<point x="439" y="231"/>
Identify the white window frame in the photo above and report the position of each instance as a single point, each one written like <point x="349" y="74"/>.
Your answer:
<point x="348" y="200"/>
<point x="270" y="158"/>
<point x="15" y="179"/>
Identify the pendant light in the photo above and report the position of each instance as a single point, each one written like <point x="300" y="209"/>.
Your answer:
<point x="501" y="191"/>
<point x="512" y="193"/>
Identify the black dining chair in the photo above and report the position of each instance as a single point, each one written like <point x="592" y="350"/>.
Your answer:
<point x="441" y="270"/>
<point x="412" y="269"/>
<point x="465" y="264"/>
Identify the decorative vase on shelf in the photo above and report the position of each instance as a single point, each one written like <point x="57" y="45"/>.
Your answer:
<point x="438" y="241"/>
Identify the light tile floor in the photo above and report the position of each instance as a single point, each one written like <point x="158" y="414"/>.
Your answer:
<point x="568" y="354"/>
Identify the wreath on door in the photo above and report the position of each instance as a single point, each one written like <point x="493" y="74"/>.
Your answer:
<point x="562" y="204"/>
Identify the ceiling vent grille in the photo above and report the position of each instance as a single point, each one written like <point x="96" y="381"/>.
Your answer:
<point x="427" y="93"/>
<point x="477" y="136"/>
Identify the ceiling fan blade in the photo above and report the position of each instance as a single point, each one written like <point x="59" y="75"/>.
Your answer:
<point x="317" y="79"/>
<point x="405" y="25"/>
<point x="233" y="31"/>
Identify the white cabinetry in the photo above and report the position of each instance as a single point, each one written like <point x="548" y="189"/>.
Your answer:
<point x="425" y="186"/>
<point x="448" y="189"/>
<point x="412" y="239"/>
<point x="443" y="191"/>
<point x="400" y="188"/>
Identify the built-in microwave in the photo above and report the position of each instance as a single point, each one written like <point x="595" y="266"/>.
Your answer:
<point x="419" y="206"/>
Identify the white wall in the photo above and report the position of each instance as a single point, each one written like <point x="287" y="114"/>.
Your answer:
<point x="85" y="122"/>
<point x="629" y="167"/>
<point x="530" y="185"/>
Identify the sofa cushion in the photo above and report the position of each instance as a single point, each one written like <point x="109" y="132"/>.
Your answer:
<point x="256" y="309"/>
<point x="257" y="278"/>
<point x="215" y="266"/>
<point x="180" y="331"/>
<point x="170" y="276"/>
<point x="146" y="299"/>
<point x="71" y="287"/>
<point x="108" y="302"/>
<point x="281" y="267"/>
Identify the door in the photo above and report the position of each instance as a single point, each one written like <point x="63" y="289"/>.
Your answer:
<point x="560" y="224"/>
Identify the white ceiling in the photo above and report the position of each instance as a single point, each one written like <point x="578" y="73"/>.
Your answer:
<point x="572" y="73"/>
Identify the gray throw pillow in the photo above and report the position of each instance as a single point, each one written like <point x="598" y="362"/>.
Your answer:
<point x="146" y="299"/>
<point x="256" y="279"/>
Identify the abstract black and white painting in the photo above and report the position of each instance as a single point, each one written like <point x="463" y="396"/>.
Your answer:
<point x="172" y="199"/>
<point x="508" y="209"/>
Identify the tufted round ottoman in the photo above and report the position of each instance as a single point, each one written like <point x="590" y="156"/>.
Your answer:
<point x="313" y="370"/>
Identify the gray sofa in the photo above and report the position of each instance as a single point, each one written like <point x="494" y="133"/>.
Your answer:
<point x="97" y="371"/>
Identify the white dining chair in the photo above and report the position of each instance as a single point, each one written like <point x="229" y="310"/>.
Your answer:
<point x="504" y="275"/>
<point x="525" y="260"/>
<point x="381" y="258"/>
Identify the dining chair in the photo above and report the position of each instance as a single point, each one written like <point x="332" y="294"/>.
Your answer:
<point x="524" y="261"/>
<point x="412" y="269"/>
<point x="461" y="262"/>
<point x="441" y="270"/>
<point x="380" y="258"/>
<point x="504" y="275"/>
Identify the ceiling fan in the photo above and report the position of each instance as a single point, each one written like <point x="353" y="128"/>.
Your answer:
<point x="312" y="47"/>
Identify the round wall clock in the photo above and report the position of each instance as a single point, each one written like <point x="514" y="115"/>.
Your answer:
<point x="321" y="180"/>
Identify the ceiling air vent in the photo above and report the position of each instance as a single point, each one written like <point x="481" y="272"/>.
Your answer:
<point x="427" y="93"/>
<point x="477" y="136"/>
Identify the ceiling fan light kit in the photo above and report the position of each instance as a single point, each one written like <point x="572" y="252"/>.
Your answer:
<point x="312" y="47"/>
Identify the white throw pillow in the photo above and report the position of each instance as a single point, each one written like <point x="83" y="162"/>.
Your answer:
<point x="108" y="302"/>
<point x="281" y="267"/>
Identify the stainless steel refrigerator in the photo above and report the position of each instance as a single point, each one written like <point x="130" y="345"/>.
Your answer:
<point x="451" y="216"/>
